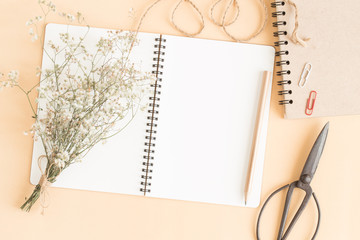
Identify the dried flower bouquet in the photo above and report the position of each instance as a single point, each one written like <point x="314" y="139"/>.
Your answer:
<point x="85" y="97"/>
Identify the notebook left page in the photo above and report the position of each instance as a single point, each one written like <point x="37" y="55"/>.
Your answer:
<point x="116" y="165"/>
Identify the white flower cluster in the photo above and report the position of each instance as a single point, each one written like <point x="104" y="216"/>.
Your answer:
<point x="47" y="7"/>
<point x="84" y="97"/>
<point x="89" y="97"/>
<point x="12" y="79"/>
<point x="61" y="158"/>
<point x="69" y="17"/>
<point x="51" y="6"/>
<point x="34" y="36"/>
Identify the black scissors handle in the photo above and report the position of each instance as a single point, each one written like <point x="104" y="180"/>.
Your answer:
<point x="305" y="201"/>
<point x="267" y="201"/>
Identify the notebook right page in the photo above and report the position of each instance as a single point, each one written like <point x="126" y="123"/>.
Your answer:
<point x="333" y="51"/>
<point x="208" y="105"/>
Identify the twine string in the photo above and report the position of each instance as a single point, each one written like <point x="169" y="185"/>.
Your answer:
<point x="141" y="21"/>
<point x="172" y="18"/>
<point x="223" y="24"/>
<point x="44" y="183"/>
<point x="264" y="16"/>
<point x="294" y="36"/>
<point x="237" y="8"/>
<point x="186" y="33"/>
<point x="145" y="13"/>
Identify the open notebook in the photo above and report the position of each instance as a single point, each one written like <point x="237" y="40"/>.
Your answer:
<point x="204" y="122"/>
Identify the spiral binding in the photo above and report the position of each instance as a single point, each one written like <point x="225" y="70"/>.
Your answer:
<point x="152" y="118"/>
<point x="278" y="14"/>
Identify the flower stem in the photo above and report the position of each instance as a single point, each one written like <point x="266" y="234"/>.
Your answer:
<point x="27" y="96"/>
<point x="32" y="199"/>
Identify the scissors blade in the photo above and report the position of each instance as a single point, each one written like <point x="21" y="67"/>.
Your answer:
<point x="314" y="157"/>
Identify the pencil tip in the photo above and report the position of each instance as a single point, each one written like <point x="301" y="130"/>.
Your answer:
<point x="245" y="202"/>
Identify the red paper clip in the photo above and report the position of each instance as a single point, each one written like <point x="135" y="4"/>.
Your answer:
<point x="310" y="108"/>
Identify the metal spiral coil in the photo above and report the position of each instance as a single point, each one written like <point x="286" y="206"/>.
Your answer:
<point x="283" y="82"/>
<point x="152" y="118"/>
<point x="282" y="102"/>
<point x="278" y="3"/>
<point x="279" y="43"/>
<point x="279" y="33"/>
<point x="283" y="92"/>
<point x="278" y="14"/>
<point x="279" y="23"/>
<point x="280" y="63"/>
<point x="283" y="72"/>
<point x="281" y="53"/>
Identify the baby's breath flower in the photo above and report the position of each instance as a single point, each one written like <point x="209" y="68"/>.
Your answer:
<point x="38" y="71"/>
<point x="13" y="75"/>
<point x="70" y="17"/>
<point x="86" y="96"/>
<point x="26" y="133"/>
<point x="59" y="162"/>
<point x="31" y="31"/>
<point x="38" y="18"/>
<point x="79" y="17"/>
<point x="30" y="22"/>
<point x="131" y="13"/>
<point x="34" y="37"/>
<point x="51" y="6"/>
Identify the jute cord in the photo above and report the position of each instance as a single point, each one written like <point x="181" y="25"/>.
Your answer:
<point x="222" y="24"/>
<point x="294" y="36"/>
<point x="264" y="16"/>
<point x="145" y="13"/>
<point x="186" y="33"/>
<point x="44" y="184"/>
<point x="172" y="18"/>
<point x="141" y="21"/>
<point x="236" y="5"/>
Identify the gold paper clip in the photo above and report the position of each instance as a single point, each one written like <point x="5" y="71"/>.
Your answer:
<point x="305" y="75"/>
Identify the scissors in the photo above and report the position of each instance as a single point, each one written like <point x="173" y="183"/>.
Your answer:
<point x="303" y="183"/>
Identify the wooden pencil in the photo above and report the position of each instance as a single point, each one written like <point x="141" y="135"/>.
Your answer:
<point x="264" y="94"/>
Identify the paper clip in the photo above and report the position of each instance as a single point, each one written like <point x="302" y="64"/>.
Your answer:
<point x="310" y="108"/>
<point x="305" y="75"/>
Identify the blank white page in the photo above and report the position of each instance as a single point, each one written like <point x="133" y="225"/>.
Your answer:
<point x="209" y="98"/>
<point x="115" y="166"/>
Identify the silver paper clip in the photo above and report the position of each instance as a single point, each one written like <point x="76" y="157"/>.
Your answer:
<point x="305" y="75"/>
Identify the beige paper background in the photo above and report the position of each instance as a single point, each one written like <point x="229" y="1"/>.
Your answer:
<point x="77" y="214"/>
